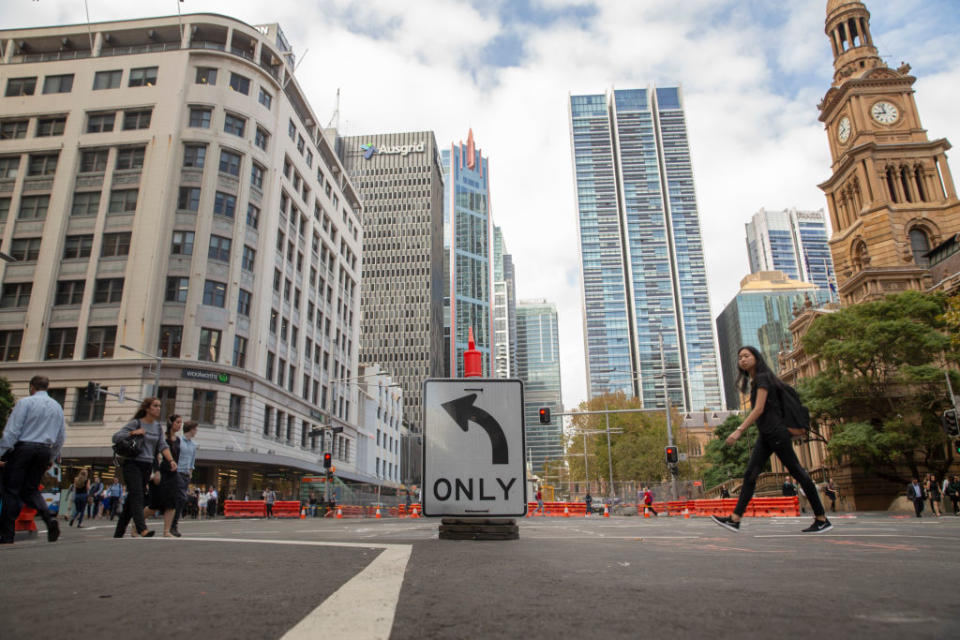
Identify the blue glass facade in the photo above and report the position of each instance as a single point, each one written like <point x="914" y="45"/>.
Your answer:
<point x="643" y="270"/>
<point x="793" y="242"/>
<point x="538" y="365"/>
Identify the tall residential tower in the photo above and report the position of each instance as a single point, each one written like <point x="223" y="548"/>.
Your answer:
<point x="792" y="242"/>
<point x="538" y="365"/>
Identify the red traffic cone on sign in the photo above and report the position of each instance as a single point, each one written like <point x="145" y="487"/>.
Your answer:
<point x="606" y="511"/>
<point x="414" y="514"/>
<point x="339" y="512"/>
<point x="377" y="514"/>
<point x="686" y="513"/>
<point x="303" y="513"/>
<point x="566" y="511"/>
<point x="646" y="512"/>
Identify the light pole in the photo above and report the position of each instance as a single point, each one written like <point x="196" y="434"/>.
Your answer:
<point x="666" y="398"/>
<point x="156" y="371"/>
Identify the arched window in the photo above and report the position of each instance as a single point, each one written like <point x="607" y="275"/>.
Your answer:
<point x="920" y="245"/>
<point x="860" y="256"/>
<point x="892" y="184"/>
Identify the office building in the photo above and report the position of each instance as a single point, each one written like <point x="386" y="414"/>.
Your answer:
<point x="469" y="232"/>
<point x="760" y="316"/>
<point x="504" y="310"/>
<point x="379" y="452"/>
<point x="167" y="191"/>
<point x="399" y="180"/>
<point x="793" y="242"/>
<point x="538" y="366"/>
<point x="642" y="265"/>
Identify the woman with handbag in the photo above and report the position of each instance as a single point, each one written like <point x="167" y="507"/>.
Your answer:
<point x="164" y="489"/>
<point x="81" y="489"/>
<point x="145" y="434"/>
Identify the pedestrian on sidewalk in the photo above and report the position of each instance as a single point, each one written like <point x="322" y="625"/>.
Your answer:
<point x="212" y="503"/>
<point x="81" y="489"/>
<point x="588" y="499"/>
<point x="269" y="497"/>
<point x="916" y="495"/>
<point x="137" y="471"/>
<point x="95" y="497"/>
<point x="774" y="438"/>
<point x="203" y="498"/>
<point x="788" y="490"/>
<point x="113" y="495"/>
<point x="185" y="464"/>
<point x="648" y="501"/>
<point x="724" y="493"/>
<point x="932" y="489"/>
<point x="830" y="490"/>
<point x="539" y="501"/>
<point x="953" y="492"/>
<point x="165" y="490"/>
<point x="31" y="443"/>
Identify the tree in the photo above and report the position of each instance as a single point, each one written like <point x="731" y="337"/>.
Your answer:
<point x="7" y="400"/>
<point x="727" y="462"/>
<point x="951" y="318"/>
<point x="882" y="387"/>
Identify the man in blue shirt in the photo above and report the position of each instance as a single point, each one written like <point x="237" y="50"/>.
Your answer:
<point x="31" y="442"/>
<point x="115" y="492"/>
<point x="188" y="460"/>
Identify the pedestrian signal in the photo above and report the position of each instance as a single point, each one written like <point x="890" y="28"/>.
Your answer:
<point x="673" y="454"/>
<point x="950" y="423"/>
<point x="327" y="460"/>
<point x="92" y="391"/>
<point x="545" y="415"/>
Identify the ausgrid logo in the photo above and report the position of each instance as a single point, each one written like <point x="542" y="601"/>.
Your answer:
<point x="398" y="149"/>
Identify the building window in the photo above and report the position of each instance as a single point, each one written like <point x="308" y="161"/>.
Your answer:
<point x="182" y="243"/>
<point x="281" y="371"/>
<point x="33" y="208"/>
<point x="215" y="293"/>
<point x="21" y="86"/>
<point x="143" y="77"/>
<point x="60" y="343"/>
<point x="236" y="412"/>
<point x="200" y="117"/>
<point x="256" y="175"/>
<point x="243" y="303"/>
<point x="261" y="138"/>
<point x="51" y="126"/>
<point x="87" y="410"/>
<point x="224" y="205"/>
<point x="219" y="248"/>
<point x="920" y="246"/>
<point x="230" y="162"/>
<point x="253" y="216"/>
<point x="122" y="201"/>
<point x="248" y="259"/>
<point x="107" y="290"/>
<point x="177" y="289"/>
<point x="168" y="402"/>
<point x="9" y="166"/>
<point x="206" y="75"/>
<point x="101" y="122"/>
<point x="136" y="119"/>
<point x="270" y="360"/>
<point x="85" y="204"/>
<point x="107" y="79"/>
<point x="204" y="407"/>
<point x="171" y="337"/>
<point x="292" y="130"/>
<point x="240" y="83"/>
<point x="265" y="98"/>
<point x="10" y="345"/>
<point x="267" y="415"/>
<point x="130" y="158"/>
<point x="13" y="129"/>
<point x="209" y="349"/>
<point x="16" y="295"/>
<point x="25" y="249"/>
<point x="42" y="164"/>
<point x="234" y="124"/>
<point x="188" y="199"/>
<point x="93" y="161"/>
<point x="58" y="84"/>
<point x="239" y="351"/>
<point x="77" y="246"/>
<point x="115" y="244"/>
<point x="194" y="155"/>
<point x="100" y="342"/>
<point x="309" y="158"/>
<point x="272" y="325"/>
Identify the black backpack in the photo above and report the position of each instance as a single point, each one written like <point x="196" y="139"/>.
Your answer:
<point x="795" y="416"/>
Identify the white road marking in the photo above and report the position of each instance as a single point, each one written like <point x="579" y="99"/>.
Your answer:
<point x="363" y="608"/>
<point x="853" y="535"/>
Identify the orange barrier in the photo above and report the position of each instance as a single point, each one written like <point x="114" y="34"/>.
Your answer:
<point x="25" y="520"/>
<point x="246" y="508"/>
<point x="286" y="509"/>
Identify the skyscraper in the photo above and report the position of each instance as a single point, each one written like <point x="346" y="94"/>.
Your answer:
<point x="399" y="180"/>
<point x="641" y="252"/>
<point x="793" y="242"/>
<point x="469" y="230"/>
<point x="504" y="310"/>
<point x="538" y="365"/>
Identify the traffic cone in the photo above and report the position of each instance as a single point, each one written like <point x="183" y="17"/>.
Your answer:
<point x="686" y="513"/>
<point x="414" y="514"/>
<point x="646" y="512"/>
<point x="606" y="511"/>
<point x="566" y="511"/>
<point x="377" y="516"/>
<point x="339" y="512"/>
<point x="303" y="513"/>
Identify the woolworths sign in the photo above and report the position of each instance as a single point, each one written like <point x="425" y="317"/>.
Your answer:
<point x="369" y="150"/>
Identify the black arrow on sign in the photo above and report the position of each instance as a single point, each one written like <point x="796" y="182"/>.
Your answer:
<point x="463" y="412"/>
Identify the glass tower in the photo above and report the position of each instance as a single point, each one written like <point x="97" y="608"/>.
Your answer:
<point x="644" y="278"/>
<point x="793" y="242"/>
<point x="504" y="310"/>
<point x="469" y="232"/>
<point x="538" y="365"/>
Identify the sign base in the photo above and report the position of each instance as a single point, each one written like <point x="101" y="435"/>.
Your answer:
<point x="479" y="529"/>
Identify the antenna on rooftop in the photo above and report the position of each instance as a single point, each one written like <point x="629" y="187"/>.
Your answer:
<point x="335" y="118"/>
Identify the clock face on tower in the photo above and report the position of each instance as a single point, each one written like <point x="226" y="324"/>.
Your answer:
<point x="885" y="112"/>
<point x="843" y="130"/>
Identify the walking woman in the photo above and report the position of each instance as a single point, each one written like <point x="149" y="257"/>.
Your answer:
<point x="136" y="471"/>
<point x="933" y="492"/>
<point x="81" y="489"/>
<point x="765" y="397"/>
<point x="163" y="495"/>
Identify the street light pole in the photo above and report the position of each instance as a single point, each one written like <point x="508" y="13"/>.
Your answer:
<point x="666" y="396"/>
<point x="156" y="370"/>
<point x="609" y="456"/>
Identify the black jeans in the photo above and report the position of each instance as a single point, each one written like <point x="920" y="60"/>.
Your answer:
<point x="780" y="444"/>
<point x="918" y="506"/>
<point x="136" y="474"/>
<point x="183" y="483"/>
<point x="25" y="465"/>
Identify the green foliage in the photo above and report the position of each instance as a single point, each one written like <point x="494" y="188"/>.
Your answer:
<point x="727" y="462"/>
<point x="7" y="400"/>
<point x="951" y="318"/>
<point x="882" y="387"/>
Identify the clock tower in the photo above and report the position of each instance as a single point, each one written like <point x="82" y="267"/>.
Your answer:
<point x="891" y="196"/>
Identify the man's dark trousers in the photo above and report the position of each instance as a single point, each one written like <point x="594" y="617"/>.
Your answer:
<point x="183" y="483"/>
<point x="25" y="465"/>
<point x="918" y="506"/>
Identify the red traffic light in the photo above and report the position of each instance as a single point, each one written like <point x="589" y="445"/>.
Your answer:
<point x="673" y="454"/>
<point x="327" y="460"/>
<point x="545" y="415"/>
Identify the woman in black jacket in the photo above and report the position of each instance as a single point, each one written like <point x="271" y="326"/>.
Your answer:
<point x="163" y="494"/>
<point x="137" y="471"/>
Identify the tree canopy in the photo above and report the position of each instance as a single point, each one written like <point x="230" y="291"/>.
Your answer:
<point x="726" y="462"/>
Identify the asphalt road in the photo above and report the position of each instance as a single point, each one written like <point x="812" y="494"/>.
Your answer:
<point x="873" y="576"/>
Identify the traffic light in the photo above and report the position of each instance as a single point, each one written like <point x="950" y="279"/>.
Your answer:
<point x="327" y="460"/>
<point x="92" y="391"/>
<point x="336" y="429"/>
<point x="673" y="454"/>
<point x="956" y="445"/>
<point x="950" y="424"/>
<point x="545" y="415"/>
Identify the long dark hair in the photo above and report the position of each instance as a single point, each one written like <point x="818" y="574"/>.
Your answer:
<point x="743" y="381"/>
<point x="145" y="406"/>
<point x="170" y="422"/>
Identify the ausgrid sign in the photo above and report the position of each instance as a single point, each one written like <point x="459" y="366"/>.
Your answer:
<point x="369" y="150"/>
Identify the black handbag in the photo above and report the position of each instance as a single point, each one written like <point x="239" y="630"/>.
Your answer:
<point x="129" y="447"/>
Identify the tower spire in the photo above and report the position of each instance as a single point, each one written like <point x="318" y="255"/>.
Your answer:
<point x="848" y="28"/>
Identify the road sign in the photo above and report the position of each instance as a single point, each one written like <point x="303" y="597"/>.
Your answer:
<point x="473" y="448"/>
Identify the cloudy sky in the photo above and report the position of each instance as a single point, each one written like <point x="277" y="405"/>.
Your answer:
<point x="753" y="72"/>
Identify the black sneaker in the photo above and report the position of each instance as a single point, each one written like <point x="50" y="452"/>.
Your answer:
<point x="819" y="527"/>
<point x="727" y="523"/>
<point x="175" y="533"/>
<point x="53" y="530"/>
